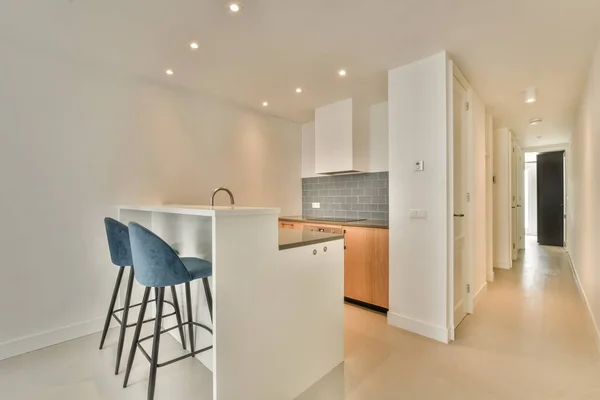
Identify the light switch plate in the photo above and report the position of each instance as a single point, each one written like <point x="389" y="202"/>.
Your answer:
<point x="419" y="165"/>
<point x="316" y="205"/>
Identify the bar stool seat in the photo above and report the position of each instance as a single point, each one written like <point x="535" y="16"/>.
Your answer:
<point x="197" y="267"/>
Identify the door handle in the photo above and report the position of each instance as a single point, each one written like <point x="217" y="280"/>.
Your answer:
<point x="459" y="215"/>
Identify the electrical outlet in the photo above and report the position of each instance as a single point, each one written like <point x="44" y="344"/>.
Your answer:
<point x="419" y="165"/>
<point x="418" y="214"/>
<point x="316" y="205"/>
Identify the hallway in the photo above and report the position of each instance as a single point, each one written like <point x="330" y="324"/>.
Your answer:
<point x="530" y="339"/>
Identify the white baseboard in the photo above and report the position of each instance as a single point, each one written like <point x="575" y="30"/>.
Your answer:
<point x="35" y="342"/>
<point x="479" y="295"/>
<point x="503" y="264"/>
<point x="490" y="276"/>
<point x="434" y="332"/>
<point x="587" y="303"/>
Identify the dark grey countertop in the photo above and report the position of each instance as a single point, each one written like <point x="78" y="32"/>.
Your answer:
<point x="369" y="223"/>
<point x="290" y="238"/>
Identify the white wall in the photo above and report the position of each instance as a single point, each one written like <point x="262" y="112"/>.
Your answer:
<point x="583" y="170"/>
<point x="76" y="142"/>
<point x="489" y="154"/>
<point x="378" y="137"/>
<point x="502" y="200"/>
<point x="308" y="150"/>
<point x="377" y="159"/>
<point x="419" y="254"/>
<point x="478" y="194"/>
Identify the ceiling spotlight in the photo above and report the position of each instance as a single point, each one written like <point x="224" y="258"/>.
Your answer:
<point x="235" y="7"/>
<point x="194" y="45"/>
<point x="265" y="104"/>
<point x="298" y="90"/>
<point x="342" y="72"/>
<point x="169" y="72"/>
<point x="535" y="121"/>
<point x="530" y="95"/>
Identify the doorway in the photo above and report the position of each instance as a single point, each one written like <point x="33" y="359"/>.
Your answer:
<point x="551" y="198"/>
<point x="460" y="206"/>
<point x="545" y="197"/>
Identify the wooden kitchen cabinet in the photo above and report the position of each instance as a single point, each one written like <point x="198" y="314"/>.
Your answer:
<point x="366" y="265"/>
<point x="355" y="266"/>
<point x="378" y="250"/>
<point x="291" y="225"/>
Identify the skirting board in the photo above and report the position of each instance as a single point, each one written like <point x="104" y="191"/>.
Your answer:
<point x="434" y="332"/>
<point x="30" y="343"/>
<point x="479" y="295"/>
<point x="587" y="304"/>
<point x="503" y="264"/>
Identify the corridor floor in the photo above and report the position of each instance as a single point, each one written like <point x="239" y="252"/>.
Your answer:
<point x="530" y="338"/>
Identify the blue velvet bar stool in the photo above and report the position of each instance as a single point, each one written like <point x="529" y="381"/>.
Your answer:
<point x="120" y="255"/>
<point x="158" y="266"/>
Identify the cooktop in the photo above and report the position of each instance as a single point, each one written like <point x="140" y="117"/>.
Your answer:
<point x="332" y="219"/>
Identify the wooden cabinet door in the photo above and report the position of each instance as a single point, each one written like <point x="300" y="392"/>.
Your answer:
<point x="291" y="225"/>
<point x="377" y="256"/>
<point x="355" y="265"/>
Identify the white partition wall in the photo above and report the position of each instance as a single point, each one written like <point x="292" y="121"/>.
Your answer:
<point x="419" y="253"/>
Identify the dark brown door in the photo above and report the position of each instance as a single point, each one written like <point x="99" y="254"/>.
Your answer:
<point x="550" y="198"/>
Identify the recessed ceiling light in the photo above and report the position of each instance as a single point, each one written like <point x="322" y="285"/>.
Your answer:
<point x="530" y="96"/>
<point x="169" y="72"/>
<point x="298" y="90"/>
<point x="194" y="45"/>
<point x="235" y="7"/>
<point x="265" y="104"/>
<point x="342" y="72"/>
<point x="535" y="121"/>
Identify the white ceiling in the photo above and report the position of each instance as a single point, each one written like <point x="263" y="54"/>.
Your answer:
<point x="273" y="46"/>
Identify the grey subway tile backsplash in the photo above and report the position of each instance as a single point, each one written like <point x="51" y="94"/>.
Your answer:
<point x="347" y="196"/>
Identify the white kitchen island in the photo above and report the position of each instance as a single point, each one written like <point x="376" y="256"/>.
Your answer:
<point x="277" y="298"/>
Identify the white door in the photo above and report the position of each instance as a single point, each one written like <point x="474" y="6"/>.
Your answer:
<point x="513" y="205"/>
<point x="460" y="206"/>
<point x="521" y="199"/>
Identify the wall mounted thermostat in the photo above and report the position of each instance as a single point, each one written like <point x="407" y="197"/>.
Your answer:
<point x="419" y="165"/>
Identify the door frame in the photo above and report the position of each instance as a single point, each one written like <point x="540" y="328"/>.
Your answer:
<point x="468" y="270"/>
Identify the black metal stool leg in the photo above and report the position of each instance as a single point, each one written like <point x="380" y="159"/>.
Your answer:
<point x="188" y="300"/>
<point x="124" y="321"/>
<point x="178" y="315"/>
<point x="111" y="307"/>
<point x="156" y="342"/>
<point x="208" y="297"/>
<point x="136" y="335"/>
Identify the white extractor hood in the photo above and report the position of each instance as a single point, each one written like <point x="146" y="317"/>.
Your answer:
<point x="341" y="138"/>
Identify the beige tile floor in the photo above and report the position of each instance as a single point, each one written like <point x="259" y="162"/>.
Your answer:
<point x="530" y="338"/>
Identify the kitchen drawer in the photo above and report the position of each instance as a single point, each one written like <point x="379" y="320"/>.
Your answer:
<point x="291" y="225"/>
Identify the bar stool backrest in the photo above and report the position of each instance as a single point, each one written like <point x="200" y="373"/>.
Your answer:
<point x="117" y="234"/>
<point x="156" y="263"/>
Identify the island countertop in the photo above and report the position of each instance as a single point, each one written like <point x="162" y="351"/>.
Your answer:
<point x="291" y="238"/>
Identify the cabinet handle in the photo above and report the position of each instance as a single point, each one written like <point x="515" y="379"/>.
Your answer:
<point x="344" y="239"/>
<point x="325" y="249"/>
<point x="314" y="252"/>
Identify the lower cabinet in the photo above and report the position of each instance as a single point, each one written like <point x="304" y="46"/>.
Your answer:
<point x="366" y="265"/>
<point x="291" y="225"/>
